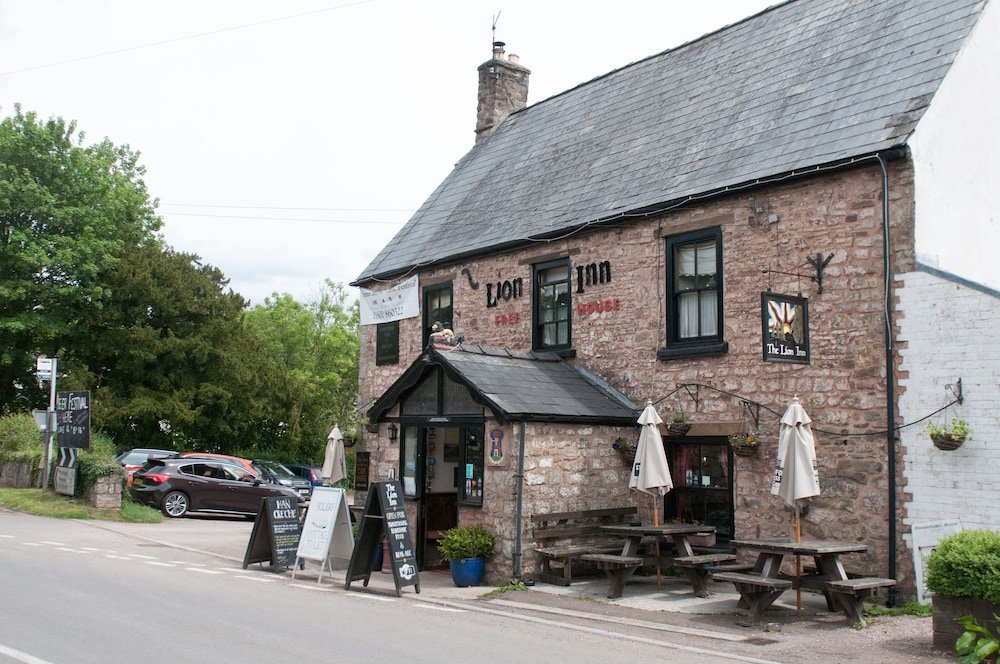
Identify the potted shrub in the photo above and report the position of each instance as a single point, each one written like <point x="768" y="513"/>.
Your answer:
<point x="466" y="549"/>
<point x="744" y="443"/>
<point x="949" y="437"/>
<point x="962" y="574"/>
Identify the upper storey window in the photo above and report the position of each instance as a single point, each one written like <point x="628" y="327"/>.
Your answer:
<point x="552" y="306"/>
<point x="694" y="286"/>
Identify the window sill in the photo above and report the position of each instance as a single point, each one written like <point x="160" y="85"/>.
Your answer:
<point x="695" y="350"/>
<point x="565" y="353"/>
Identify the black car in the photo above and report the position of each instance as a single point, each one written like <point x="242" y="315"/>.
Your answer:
<point x="178" y="486"/>
<point x="272" y="471"/>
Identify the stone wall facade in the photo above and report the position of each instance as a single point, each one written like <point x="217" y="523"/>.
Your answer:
<point x="20" y="475"/>
<point x="618" y="326"/>
<point x="106" y="494"/>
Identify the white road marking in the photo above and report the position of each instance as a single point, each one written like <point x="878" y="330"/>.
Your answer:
<point x="115" y="557"/>
<point x="371" y="597"/>
<point x="53" y="543"/>
<point x="203" y="571"/>
<point x="139" y="555"/>
<point x="255" y="578"/>
<point x="7" y="536"/>
<point x="311" y="587"/>
<point x="158" y="564"/>
<point x="65" y="548"/>
<point x="31" y="543"/>
<point x="90" y="548"/>
<point x="21" y="656"/>
<point x="421" y="605"/>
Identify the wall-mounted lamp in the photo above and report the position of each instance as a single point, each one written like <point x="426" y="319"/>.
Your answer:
<point x="393" y="431"/>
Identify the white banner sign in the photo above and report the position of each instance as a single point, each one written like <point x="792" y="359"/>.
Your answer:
<point x="396" y="303"/>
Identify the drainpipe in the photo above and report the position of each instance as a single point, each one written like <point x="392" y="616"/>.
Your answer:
<point x="519" y="505"/>
<point x="890" y="378"/>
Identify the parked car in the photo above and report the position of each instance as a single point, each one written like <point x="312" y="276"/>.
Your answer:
<point x="133" y="460"/>
<point x="276" y="472"/>
<point x="246" y="463"/>
<point x="311" y="473"/>
<point x="183" y="484"/>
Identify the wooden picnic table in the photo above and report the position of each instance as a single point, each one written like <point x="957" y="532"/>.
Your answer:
<point x="620" y="567"/>
<point x="759" y="589"/>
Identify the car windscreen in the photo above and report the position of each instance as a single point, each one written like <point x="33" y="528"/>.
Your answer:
<point x="275" y="469"/>
<point x="152" y="464"/>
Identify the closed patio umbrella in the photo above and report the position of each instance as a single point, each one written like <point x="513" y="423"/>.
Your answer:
<point x="795" y="474"/>
<point x="650" y="473"/>
<point x="333" y="469"/>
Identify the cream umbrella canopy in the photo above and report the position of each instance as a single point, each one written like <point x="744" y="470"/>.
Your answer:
<point x="650" y="473"/>
<point x="334" y="468"/>
<point x="795" y="474"/>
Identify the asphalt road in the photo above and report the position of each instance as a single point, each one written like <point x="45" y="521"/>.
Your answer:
<point x="75" y="592"/>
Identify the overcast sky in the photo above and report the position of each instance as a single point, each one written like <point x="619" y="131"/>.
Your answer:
<point x="288" y="141"/>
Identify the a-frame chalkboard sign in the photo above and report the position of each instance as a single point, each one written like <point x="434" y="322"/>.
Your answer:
<point x="326" y="530"/>
<point x="276" y="531"/>
<point x="385" y="517"/>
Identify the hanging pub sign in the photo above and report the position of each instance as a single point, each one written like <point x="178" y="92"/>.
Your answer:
<point x="785" y="328"/>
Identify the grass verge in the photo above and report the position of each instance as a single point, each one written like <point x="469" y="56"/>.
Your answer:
<point x="58" y="506"/>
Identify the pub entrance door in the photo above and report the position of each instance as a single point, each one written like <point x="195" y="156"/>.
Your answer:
<point x="430" y="477"/>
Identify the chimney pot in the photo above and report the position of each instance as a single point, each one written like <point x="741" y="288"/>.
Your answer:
<point x="513" y="58"/>
<point x="503" y="89"/>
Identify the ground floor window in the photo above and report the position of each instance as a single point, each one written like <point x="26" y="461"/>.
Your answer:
<point x="703" y="486"/>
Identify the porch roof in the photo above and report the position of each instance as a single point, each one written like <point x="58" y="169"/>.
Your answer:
<point x="518" y="386"/>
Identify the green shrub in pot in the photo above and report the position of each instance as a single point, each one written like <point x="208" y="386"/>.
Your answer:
<point x="967" y="564"/>
<point x="466" y="542"/>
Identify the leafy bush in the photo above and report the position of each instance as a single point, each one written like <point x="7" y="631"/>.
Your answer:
<point x="967" y="564"/>
<point x="466" y="542"/>
<point x="20" y="440"/>
<point x="97" y="461"/>
<point x="977" y="643"/>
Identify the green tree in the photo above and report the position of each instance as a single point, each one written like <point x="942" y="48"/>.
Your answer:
<point x="172" y="361"/>
<point x="67" y="214"/>
<point x="315" y="345"/>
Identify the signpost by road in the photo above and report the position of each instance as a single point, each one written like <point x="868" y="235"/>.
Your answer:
<point x="72" y="434"/>
<point x="45" y="369"/>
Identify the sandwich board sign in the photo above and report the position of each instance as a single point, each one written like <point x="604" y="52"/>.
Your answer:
<point x="326" y="531"/>
<point x="276" y="530"/>
<point x="385" y="518"/>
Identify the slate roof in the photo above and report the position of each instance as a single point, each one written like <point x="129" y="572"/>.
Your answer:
<point x="519" y="386"/>
<point x="801" y="84"/>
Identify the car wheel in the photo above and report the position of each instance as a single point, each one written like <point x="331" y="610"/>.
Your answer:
<point x="175" y="504"/>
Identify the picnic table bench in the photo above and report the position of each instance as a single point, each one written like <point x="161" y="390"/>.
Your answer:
<point x="697" y="568"/>
<point x="618" y="568"/>
<point x="757" y="592"/>
<point x="565" y="537"/>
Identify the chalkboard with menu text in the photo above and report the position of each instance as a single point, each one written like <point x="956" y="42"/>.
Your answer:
<point x="362" y="462"/>
<point x="384" y="519"/>
<point x="276" y="532"/>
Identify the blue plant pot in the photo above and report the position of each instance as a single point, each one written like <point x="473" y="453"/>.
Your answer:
<point x="467" y="572"/>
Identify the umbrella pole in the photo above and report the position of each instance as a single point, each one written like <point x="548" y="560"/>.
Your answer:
<point x="798" y="566"/>
<point x="656" y="522"/>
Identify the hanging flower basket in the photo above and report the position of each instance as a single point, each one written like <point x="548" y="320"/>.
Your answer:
<point x="947" y="441"/>
<point x="744" y="444"/>
<point x="625" y="447"/>
<point x="949" y="438"/>
<point x="678" y="428"/>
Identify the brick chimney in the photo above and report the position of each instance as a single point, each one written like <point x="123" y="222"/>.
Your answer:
<point x="503" y="89"/>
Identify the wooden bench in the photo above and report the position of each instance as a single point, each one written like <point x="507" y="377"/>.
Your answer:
<point x="756" y="592"/>
<point x="851" y="592"/>
<point x="697" y="568"/>
<point x="565" y="537"/>
<point x="618" y="568"/>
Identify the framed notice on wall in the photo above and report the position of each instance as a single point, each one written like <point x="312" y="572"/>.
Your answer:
<point x="785" y="328"/>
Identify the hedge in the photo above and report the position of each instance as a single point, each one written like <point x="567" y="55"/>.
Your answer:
<point x="20" y="439"/>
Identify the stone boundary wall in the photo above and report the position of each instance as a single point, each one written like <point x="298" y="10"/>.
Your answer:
<point x="20" y="475"/>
